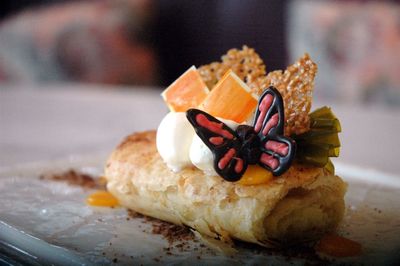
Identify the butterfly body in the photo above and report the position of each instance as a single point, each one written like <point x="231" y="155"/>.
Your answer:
<point x="250" y="143"/>
<point x="263" y="143"/>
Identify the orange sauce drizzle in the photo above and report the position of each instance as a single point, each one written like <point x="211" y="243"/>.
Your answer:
<point x="255" y="175"/>
<point x="102" y="199"/>
<point x="337" y="246"/>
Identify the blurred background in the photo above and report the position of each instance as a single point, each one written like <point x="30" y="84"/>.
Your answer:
<point x="77" y="76"/>
<point x="151" y="42"/>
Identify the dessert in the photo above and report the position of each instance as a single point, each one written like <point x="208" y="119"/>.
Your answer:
<point x="250" y="163"/>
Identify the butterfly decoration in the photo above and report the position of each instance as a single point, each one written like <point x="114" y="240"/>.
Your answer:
<point x="263" y="143"/>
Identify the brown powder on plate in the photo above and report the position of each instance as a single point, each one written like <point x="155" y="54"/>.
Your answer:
<point x="171" y="232"/>
<point x="132" y="214"/>
<point x="75" y="178"/>
<point x="178" y="238"/>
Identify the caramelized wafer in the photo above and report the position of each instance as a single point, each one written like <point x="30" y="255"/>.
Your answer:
<point x="296" y="85"/>
<point x="245" y="63"/>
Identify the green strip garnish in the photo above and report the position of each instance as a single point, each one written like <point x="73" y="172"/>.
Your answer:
<point x="315" y="146"/>
<point x="330" y="167"/>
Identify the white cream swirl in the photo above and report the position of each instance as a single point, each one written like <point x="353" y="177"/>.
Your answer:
<point x="174" y="138"/>
<point x="201" y="156"/>
<point x="180" y="147"/>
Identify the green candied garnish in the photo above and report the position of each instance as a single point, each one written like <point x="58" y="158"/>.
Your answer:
<point x="320" y="151"/>
<point x="319" y="137"/>
<point x="322" y="112"/>
<point x="314" y="161"/>
<point x="315" y="146"/>
<point x="330" y="167"/>
<point x="331" y="123"/>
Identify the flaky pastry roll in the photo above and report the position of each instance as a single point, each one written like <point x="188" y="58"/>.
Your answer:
<point x="301" y="205"/>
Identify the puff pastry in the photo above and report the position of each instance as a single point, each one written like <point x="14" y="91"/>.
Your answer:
<point x="301" y="205"/>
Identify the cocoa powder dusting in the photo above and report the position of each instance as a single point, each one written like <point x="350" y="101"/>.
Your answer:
<point x="75" y="178"/>
<point x="171" y="232"/>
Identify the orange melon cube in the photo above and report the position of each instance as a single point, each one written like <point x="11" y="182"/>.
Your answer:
<point x="188" y="91"/>
<point x="230" y="99"/>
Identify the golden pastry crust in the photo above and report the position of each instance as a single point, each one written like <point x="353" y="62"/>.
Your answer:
<point x="300" y="205"/>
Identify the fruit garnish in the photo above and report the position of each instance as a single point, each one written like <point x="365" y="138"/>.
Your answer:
<point x="102" y="199"/>
<point x="337" y="246"/>
<point x="230" y="99"/>
<point x="255" y="175"/>
<point x="296" y="85"/>
<point x="321" y="141"/>
<point x="246" y="63"/>
<point x="188" y="91"/>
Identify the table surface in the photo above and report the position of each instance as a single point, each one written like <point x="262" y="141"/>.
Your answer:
<point x="42" y="123"/>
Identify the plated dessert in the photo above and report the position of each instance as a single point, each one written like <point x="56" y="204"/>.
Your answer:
<point x="239" y="155"/>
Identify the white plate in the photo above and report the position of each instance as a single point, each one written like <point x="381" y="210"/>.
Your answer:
<point x="47" y="222"/>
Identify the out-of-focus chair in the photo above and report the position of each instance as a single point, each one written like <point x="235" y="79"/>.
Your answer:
<point x="356" y="45"/>
<point x="91" y="41"/>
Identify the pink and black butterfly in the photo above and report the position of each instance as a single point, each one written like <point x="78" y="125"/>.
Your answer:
<point x="263" y="143"/>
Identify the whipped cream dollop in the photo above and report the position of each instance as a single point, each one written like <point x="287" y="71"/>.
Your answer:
<point x="201" y="156"/>
<point x="180" y="147"/>
<point x="174" y="138"/>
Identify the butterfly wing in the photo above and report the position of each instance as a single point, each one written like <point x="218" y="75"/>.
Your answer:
<point x="277" y="151"/>
<point x="222" y="141"/>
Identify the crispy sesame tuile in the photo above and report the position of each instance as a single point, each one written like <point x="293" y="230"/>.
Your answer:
<point x="296" y="85"/>
<point x="245" y="63"/>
